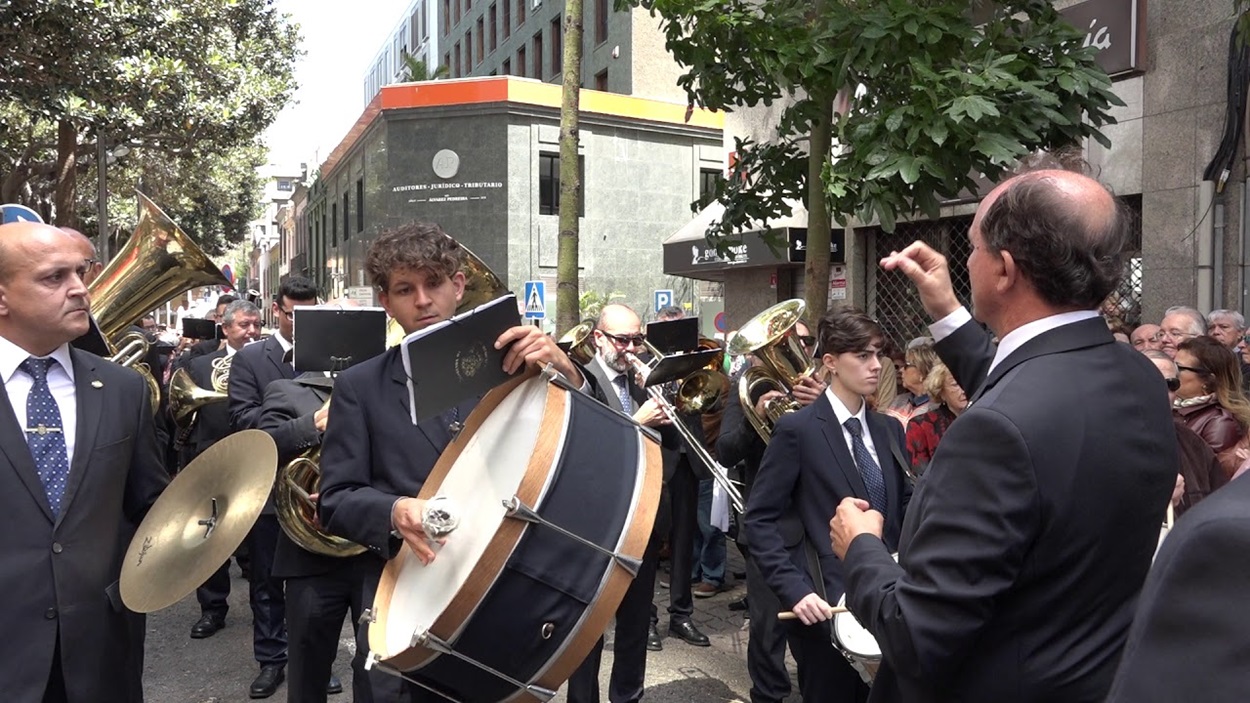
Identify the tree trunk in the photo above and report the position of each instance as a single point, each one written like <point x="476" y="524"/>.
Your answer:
<point x="818" y="227"/>
<point x="64" y="214"/>
<point x="567" y="289"/>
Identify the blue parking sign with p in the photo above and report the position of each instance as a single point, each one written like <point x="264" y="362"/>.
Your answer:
<point x="663" y="299"/>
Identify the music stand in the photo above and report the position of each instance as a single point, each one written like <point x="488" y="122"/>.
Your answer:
<point x="675" y="367"/>
<point x="672" y="336"/>
<point x="334" y="339"/>
<point x="198" y="328"/>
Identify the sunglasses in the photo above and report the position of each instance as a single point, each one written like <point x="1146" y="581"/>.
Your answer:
<point x="1174" y="383"/>
<point x="1192" y="369"/>
<point x="807" y="340"/>
<point x="625" y="340"/>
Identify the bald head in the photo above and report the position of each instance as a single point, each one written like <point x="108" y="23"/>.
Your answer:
<point x="616" y="316"/>
<point x="1064" y="231"/>
<point x="17" y="238"/>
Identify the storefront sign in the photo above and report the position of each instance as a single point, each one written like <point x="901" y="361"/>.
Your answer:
<point x="1117" y="29"/>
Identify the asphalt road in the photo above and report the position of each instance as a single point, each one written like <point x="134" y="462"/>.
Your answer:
<point x="220" y="669"/>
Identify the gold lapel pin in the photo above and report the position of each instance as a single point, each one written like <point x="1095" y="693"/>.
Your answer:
<point x="97" y="384"/>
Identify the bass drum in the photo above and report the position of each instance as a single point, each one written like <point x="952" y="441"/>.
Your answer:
<point x="556" y="495"/>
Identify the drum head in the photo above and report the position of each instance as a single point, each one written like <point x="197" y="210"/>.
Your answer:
<point x="492" y="464"/>
<point x="852" y="637"/>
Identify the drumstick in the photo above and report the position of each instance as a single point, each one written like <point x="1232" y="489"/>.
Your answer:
<point x="833" y="610"/>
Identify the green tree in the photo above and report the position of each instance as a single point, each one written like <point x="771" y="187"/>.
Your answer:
<point x="567" y="267"/>
<point x="415" y="70"/>
<point x="892" y="105"/>
<point x="178" y="77"/>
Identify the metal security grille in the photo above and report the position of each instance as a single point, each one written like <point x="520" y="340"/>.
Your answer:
<point x="1124" y="303"/>
<point x="892" y="298"/>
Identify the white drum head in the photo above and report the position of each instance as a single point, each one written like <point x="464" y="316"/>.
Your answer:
<point x="853" y="638"/>
<point x="488" y="471"/>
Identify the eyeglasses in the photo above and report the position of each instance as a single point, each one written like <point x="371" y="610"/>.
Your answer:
<point x="636" y="340"/>
<point x="807" y="340"/>
<point x="288" y="314"/>
<point x="1171" y="334"/>
<point x="1174" y="383"/>
<point x="1193" y="369"/>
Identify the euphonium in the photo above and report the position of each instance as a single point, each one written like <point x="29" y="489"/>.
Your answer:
<point x="158" y="262"/>
<point x="770" y="337"/>
<point x="186" y="397"/>
<point x="579" y="342"/>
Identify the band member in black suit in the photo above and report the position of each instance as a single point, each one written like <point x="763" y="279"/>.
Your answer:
<point x="618" y="332"/>
<point x="212" y="423"/>
<point x="81" y="470"/>
<point x="253" y="369"/>
<point x="832" y="449"/>
<point x="373" y="462"/>
<point x="320" y="590"/>
<point x="739" y="442"/>
<point x="1032" y="530"/>
<point x="208" y="346"/>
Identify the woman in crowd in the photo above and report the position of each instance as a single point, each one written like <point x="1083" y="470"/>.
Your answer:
<point x="1210" y="400"/>
<point x="913" y="400"/>
<point x="924" y="431"/>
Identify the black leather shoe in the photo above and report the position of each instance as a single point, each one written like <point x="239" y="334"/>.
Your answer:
<point x="654" y="643"/>
<point x="740" y="604"/>
<point x="688" y="632"/>
<point x="266" y="684"/>
<point x="335" y="686"/>
<point x="207" y="626"/>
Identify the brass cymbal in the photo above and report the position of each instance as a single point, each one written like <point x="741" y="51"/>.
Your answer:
<point x="198" y="522"/>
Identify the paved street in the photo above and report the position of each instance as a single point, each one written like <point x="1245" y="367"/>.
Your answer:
<point x="219" y="669"/>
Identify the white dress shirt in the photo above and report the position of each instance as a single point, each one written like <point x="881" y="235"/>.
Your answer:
<point x="843" y="414"/>
<point x="1015" y="339"/>
<point x="60" y="381"/>
<point x="612" y="375"/>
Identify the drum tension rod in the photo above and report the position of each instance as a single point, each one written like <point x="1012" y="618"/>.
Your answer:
<point x="518" y="510"/>
<point x="429" y="641"/>
<point x="211" y="522"/>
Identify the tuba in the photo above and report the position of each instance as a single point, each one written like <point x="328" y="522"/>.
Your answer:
<point x="158" y="262"/>
<point x="301" y="477"/>
<point x="579" y="342"/>
<point x="770" y="337"/>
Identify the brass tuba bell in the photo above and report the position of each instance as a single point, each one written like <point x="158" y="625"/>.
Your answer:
<point x="770" y="337"/>
<point x="186" y="397"/>
<point x="579" y="342"/>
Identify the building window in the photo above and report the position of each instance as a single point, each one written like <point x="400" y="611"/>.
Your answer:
<point x="481" y="40"/>
<point x="520" y="12"/>
<point x="557" y="51"/>
<point x="494" y="27"/>
<point x="334" y="224"/>
<point x="601" y="21"/>
<point x="538" y="55"/>
<point x="447" y="61"/>
<point x="360" y="204"/>
<point x="507" y="67"/>
<point x="457" y="73"/>
<point x="707" y="184"/>
<point x="549" y="184"/>
<point x="285" y="187"/>
<point x="507" y="18"/>
<point x="457" y="20"/>
<point x="520" y="62"/>
<point x="446" y="17"/>
<point x="347" y="230"/>
<point x="468" y="51"/>
<point x="601" y="80"/>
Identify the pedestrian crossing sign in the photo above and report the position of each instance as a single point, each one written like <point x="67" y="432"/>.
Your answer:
<point x="535" y="300"/>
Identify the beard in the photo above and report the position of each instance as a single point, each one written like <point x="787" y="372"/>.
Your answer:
<point x="616" y="360"/>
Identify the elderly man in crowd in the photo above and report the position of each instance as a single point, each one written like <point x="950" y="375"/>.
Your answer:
<point x="1180" y="323"/>
<point x="1146" y="338"/>
<point x="1227" y="326"/>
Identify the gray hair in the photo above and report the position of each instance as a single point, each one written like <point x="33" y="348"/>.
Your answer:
<point x="239" y="307"/>
<point x="1156" y="355"/>
<point x="1199" y="322"/>
<point x="670" y="312"/>
<point x="919" y="342"/>
<point x="1233" y="316"/>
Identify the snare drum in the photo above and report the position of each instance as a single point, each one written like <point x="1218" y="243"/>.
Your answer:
<point x="856" y="643"/>
<point x="557" y="495"/>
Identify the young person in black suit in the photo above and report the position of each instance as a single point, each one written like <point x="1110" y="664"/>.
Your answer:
<point x="1032" y="529"/>
<point x="81" y="469"/>
<point x="739" y="442"/>
<point x="253" y="369"/>
<point x="212" y="423"/>
<point x="373" y="461"/>
<point x="833" y="449"/>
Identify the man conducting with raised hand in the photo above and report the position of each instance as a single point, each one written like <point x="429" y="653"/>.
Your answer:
<point x="1029" y="536"/>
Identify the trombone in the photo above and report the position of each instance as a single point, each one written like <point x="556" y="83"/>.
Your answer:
<point x="696" y="393"/>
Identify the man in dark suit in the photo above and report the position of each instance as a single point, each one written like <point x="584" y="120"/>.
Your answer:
<point x="1190" y="635"/>
<point x="1033" y="528"/>
<point x="207" y="346"/>
<point x="740" y="443"/>
<point x="373" y="462"/>
<point x="253" y="369"/>
<point x="82" y="470"/>
<point x="834" y="448"/>
<point x="320" y="590"/>
<point x="618" y="333"/>
<point x="212" y="424"/>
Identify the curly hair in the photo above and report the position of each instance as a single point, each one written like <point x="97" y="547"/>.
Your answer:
<point x="935" y="381"/>
<point x="1070" y="252"/>
<point x="415" y="246"/>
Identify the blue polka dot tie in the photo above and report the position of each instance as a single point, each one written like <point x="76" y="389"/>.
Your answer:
<point x="868" y="469"/>
<point x="44" y="433"/>
<point x="622" y="392"/>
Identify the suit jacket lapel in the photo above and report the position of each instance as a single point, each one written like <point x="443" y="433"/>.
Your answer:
<point x="13" y="446"/>
<point x="273" y="350"/>
<point x="837" y="443"/>
<point x="90" y="401"/>
<point x="433" y="429"/>
<point x="1076" y="335"/>
<point x="881" y="440"/>
<point x="609" y="389"/>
